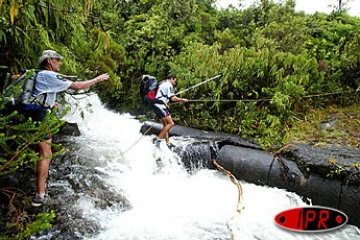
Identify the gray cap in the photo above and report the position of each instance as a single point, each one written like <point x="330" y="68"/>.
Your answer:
<point x="49" y="54"/>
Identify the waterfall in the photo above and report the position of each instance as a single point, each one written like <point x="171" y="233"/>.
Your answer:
<point x="128" y="191"/>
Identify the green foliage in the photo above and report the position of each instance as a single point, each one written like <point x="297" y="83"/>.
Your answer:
<point x="336" y="169"/>
<point x="18" y="137"/>
<point x="39" y="223"/>
<point x="17" y="134"/>
<point x="271" y="56"/>
<point x="277" y="63"/>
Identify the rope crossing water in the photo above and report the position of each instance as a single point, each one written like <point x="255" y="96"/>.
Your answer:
<point x="240" y="206"/>
<point x="140" y="138"/>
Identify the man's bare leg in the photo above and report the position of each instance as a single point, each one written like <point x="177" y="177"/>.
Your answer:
<point x="43" y="165"/>
<point x="167" y="125"/>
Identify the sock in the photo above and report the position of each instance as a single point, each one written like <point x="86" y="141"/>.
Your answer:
<point x="40" y="195"/>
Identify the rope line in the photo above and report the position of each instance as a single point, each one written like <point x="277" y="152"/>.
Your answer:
<point x="269" y="99"/>
<point x="240" y="205"/>
<point x="232" y="222"/>
<point x="140" y="138"/>
<point x="327" y="94"/>
<point x="230" y="100"/>
<point x="283" y="168"/>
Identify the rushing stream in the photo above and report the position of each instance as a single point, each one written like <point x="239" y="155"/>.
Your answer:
<point x="152" y="196"/>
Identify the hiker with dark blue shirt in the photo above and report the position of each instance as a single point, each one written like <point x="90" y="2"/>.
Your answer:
<point x="48" y="83"/>
<point x="165" y="93"/>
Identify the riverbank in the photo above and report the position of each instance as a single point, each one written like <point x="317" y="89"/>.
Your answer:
<point x="334" y="125"/>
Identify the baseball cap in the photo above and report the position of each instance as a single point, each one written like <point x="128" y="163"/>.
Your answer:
<point x="49" y="54"/>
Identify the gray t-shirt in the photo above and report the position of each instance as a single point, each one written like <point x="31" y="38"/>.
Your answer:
<point x="51" y="83"/>
<point x="165" y="92"/>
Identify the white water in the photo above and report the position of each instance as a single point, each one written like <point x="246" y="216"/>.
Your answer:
<point x="169" y="203"/>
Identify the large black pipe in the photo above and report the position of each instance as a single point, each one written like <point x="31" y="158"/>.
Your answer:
<point x="249" y="162"/>
<point x="154" y="128"/>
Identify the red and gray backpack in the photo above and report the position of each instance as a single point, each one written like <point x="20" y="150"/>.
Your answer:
<point x="148" y="89"/>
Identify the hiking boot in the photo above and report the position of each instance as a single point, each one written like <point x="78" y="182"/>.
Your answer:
<point x="170" y="145"/>
<point x="156" y="141"/>
<point x="38" y="202"/>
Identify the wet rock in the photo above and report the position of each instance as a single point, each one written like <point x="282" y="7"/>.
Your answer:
<point x="21" y="181"/>
<point x="69" y="129"/>
<point x="332" y="161"/>
<point x="326" y="125"/>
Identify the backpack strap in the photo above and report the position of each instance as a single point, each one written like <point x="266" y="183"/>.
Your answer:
<point x="36" y="100"/>
<point x="162" y="94"/>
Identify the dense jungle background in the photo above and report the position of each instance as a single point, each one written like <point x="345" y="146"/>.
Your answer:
<point x="284" y="72"/>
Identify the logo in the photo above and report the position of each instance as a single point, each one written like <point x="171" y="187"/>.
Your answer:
<point x="61" y="77"/>
<point x="311" y="219"/>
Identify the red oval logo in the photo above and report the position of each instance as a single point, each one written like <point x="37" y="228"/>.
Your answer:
<point x="311" y="219"/>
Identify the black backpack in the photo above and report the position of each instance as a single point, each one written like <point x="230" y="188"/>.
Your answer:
<point x="148" y="89"/>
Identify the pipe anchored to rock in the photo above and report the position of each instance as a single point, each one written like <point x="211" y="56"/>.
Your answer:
<point x="299" y="168"/>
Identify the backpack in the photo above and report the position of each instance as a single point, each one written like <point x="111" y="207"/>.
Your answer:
<point x="21" y="99"/>
<point x="148" y="89"/>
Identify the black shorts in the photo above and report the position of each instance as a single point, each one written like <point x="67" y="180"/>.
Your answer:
<point x="37" y="114"/>
<point x="161" y="110"/>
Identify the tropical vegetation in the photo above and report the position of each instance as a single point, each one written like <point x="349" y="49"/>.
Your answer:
<point x="280" y="67"/>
